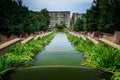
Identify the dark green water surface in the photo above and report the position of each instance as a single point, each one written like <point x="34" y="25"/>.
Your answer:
<point x="59" y="52"/>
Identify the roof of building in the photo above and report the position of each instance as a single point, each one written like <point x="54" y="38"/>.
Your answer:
<point x="59" y="11"/>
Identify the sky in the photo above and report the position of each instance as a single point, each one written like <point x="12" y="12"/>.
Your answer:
<point x="59" y="5"/>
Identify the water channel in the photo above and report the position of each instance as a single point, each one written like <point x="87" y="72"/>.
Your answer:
<point x="59" y="61"/>
<point x="59" y="52"/>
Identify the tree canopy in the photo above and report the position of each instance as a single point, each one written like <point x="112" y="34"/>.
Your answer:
<point x="60" y="26"/>
<point x="104" y="16"/>
<point x="17" y="19"/>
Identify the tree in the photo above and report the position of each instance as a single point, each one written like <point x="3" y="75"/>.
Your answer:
<point x="103" y="16"/>
<point x="92" y="17"/>
<point x="115" y="10"/>
<point x="60" y="26"/>
<point x="17" y="19"/>
<point x="105" y="20"/>
<point x="79" y="24"/>
<point x="46" y="16"/>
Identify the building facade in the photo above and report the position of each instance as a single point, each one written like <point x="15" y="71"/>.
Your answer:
<point x="75" y="16"/>
<point x="57" y="17"/>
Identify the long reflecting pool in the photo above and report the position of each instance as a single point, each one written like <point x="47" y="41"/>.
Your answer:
<point x="59" y="52"/>
<point x="59" y="61"/>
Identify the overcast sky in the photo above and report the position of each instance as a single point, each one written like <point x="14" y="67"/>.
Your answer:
<point x="59" y="5"/>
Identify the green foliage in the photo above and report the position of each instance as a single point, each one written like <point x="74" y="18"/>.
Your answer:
<point x="98" y="55"/>
<point x="106" y="17"/>
<point x="92" y="17"/>
<point x="79" y="25"/>
<point x="22" y="55"/>
<point x="60" y="26"/>
<point x="102" y="16"/>
<point x="116" y="75"/>
<point x="45" y="13"/>
<point x="17" y="19"/>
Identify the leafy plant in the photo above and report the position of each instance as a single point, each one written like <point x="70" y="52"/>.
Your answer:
<point x="22" y="55"/>
<point x="103" y="55"/>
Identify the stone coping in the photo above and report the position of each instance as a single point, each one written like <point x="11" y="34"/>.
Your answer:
<point x="95" y="41"/>
<point x="36" y="37"/>
<point x="110" y="43"/>
<point x="8" y="43"/>
<point x="26" y="40"/>
<point x="3" y="46"/>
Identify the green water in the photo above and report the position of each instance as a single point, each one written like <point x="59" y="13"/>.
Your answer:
<point x="55" y="73"/>
<point x="59" y="52"/>
<point x="48" y="58"/>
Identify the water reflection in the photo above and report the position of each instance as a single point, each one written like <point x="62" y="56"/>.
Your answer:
<point x="59" y="52"/>
<point x="59" y="42"/>
<point x="70" y="58"/>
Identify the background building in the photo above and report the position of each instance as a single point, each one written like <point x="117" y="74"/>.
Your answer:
<point x="75" y="16"/>
<point x="57" y="17"/>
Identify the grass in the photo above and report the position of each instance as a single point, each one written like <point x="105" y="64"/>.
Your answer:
<point x="22" y="55"/>
<point x="98" y="56"/>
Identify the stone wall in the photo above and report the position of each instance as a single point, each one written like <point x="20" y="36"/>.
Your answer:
<point x="93" y="34"/>
<point x="4" y="38"/>
<point x="112" y="37"/>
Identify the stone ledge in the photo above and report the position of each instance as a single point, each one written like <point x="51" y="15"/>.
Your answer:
<point x="36" y="37"/>
<point x="110" y="43"/>
<point x="8" y="43"/>
<point x="94" y="40"/>
<point x="41" y="36"/>
<point x="83" y="37"/>
<point x="27" y="40"/>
